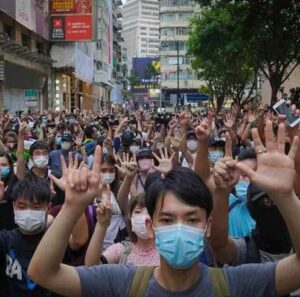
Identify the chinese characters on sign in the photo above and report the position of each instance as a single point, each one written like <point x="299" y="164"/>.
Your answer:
<point x="71" y="20"/>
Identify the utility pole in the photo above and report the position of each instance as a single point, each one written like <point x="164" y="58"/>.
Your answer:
<point x="177" y="101"/>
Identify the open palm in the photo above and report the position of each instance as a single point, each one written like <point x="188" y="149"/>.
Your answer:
<point x="275" y="170"/>
<point x="165" y="162"/>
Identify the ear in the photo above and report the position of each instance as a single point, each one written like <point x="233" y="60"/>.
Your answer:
<point x="149" y="226"/>
<point x="208" y="227"/>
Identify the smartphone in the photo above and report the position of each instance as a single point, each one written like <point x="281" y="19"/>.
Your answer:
<point x="281" y="107"/>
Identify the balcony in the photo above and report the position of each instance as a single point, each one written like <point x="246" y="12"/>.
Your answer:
<point x="98" y="55"/>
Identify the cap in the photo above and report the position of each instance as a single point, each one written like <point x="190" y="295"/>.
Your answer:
<point x="127" y="138"/>
<point x="67" y="137"/>
<point x="215" y="141"/>
<point x="145" y="152"/>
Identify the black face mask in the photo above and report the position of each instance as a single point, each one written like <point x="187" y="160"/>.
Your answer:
<point x="271" y="234"/>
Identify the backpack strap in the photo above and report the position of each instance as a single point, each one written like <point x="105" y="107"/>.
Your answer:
<point x="219" y="283"/>
<point x="140" y="281"/>
<point x="126" y="251"/>
<point x="234" y="204"/>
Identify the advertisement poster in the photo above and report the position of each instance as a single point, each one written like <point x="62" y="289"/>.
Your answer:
<point x="71" y="6"/>
<point x="25" y="13"/>
<point x="71" y="28"/>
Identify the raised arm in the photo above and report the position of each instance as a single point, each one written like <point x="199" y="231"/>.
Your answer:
<point x="46" y="268"/>
<point x="202" y="165"/>
<point x="94" y="251"/>
<point x="129" y="167"/>
<point x="21" y="164"/>
<point x="275" y="175"/>
<point x="225" y="177"/>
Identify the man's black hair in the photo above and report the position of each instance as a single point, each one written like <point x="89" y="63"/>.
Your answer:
<point x="185" y="184"/>
<point x="89" y="131"/>
<point x="32" y="188"/>
<point x="38" y="145"/>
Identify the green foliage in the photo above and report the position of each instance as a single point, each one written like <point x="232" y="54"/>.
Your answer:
<point x="220" y="58"/>
<point x="134" y="80"/>
<point x="266" y="32"/>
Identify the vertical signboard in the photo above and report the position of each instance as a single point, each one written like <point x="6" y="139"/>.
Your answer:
<point x="71" y="20"/>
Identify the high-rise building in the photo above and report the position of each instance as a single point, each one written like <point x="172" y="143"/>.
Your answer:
<point x="178" y="81"/>
<point x="141" y="28"/>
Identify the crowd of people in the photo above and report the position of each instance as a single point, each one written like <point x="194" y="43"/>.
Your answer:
<point x="146" y="204"/>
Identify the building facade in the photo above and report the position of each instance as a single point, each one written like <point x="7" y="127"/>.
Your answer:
<point x="141" y="29"/>
<point x="178" y="82"/>
<point x="24" y="55"/>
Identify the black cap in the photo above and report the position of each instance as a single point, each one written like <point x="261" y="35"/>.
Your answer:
<point x="67" y="137"/>
<point x="215" y="141"/>
<point x="127" y="138"/>
<point x="145" y="152"/>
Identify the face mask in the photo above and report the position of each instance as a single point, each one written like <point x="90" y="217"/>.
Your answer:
<point x="145" y="164"/>
<point x="41" y="162"/>
<point x="65" y="146"/>
<point x="105" y="150"/>
<point x="180" y="245"/>
<point x="138" y="223"/>
<point x="5" y="171"/>
<point x="58" y="140"/>
<point x="214" y="156"/>
<point x="11" y="145"/>
<point x="241" y="189"/>
<point x="30" y="220"/>
<point x="108" y="178"/>
<point x="192" y="145"/>
<point x="134" y="149"/>
<point x="30" y="125"/>
<point x="44" y="122"/>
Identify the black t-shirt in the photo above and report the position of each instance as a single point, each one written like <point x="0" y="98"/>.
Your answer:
<point x="7" y="220"/>
<point x="16" y="251"/>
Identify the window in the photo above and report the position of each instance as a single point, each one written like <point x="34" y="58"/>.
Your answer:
<point x="8" y="30"/>
<point x="98" y="65"/>
<point x="172" y="45"/>
<point x="40" y="47"/>
<point x="99" y="45"/>
<point x="25" y="40"/>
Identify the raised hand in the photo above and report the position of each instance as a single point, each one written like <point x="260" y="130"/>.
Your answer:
<point x="23" y="129"/>
<point x="77" y="140"/>
<point x="165" y="162"/>
<point x="275" y="170"/>
<point x="128" y="166"/>
<point x="225" y="174"/>
<point x="103" y="213"/>
<point x="177" y="142"/>
<point x="229" y="121"/>
<point x="62" y="182"/>
<point x="184" y="119"/>
<point x="203" y="130"/>
<point x="82" y="184"/>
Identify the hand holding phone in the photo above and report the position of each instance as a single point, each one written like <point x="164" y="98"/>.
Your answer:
<point x="282" y="108"/>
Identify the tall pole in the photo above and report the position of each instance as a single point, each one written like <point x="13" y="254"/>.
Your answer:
<point x="177" y="47"/>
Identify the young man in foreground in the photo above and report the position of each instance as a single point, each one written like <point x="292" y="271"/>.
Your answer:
<point x="182" y="203"/>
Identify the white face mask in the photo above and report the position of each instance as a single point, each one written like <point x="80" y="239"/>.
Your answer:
<point x="145" y="164"/>
<point x="192" y="144"/>
<point x="30" y="220"/>
<point x="41" y="162"/>
<point x="134" y="149"/>
<point x="138" y="223"/>
<point x="65" y="146"/>
<point x="108" y="178"/>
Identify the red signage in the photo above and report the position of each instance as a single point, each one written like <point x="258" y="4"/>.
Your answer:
<point x="71" y="6"/>
<point x="71" y="28"/>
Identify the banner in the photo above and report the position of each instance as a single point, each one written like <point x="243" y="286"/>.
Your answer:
<point x="71" y="28"/>
<point x="71" y="6"/>
<point x="71" y="20"/>
<point x="25" y="14"/>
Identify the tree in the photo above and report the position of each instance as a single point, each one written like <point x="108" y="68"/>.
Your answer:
<point x="219" y="56"/>
<point x="133" y="80"/>
<point x="270" y="31"/>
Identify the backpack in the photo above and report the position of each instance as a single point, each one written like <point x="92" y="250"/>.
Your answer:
<point x="142" y="276"/>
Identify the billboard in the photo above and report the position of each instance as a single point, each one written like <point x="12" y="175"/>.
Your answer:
<point x="71" y="20"/>
<point x="71" y="6"/>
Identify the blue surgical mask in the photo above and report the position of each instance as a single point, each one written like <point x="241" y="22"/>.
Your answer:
<point x="180" y="245"/>
<point x="214" y="156"/>
<point x="58" y="140"/>
<point x="241" y="189"/>
<point x="44" y="122"/>
<point x="5" y="171"/>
